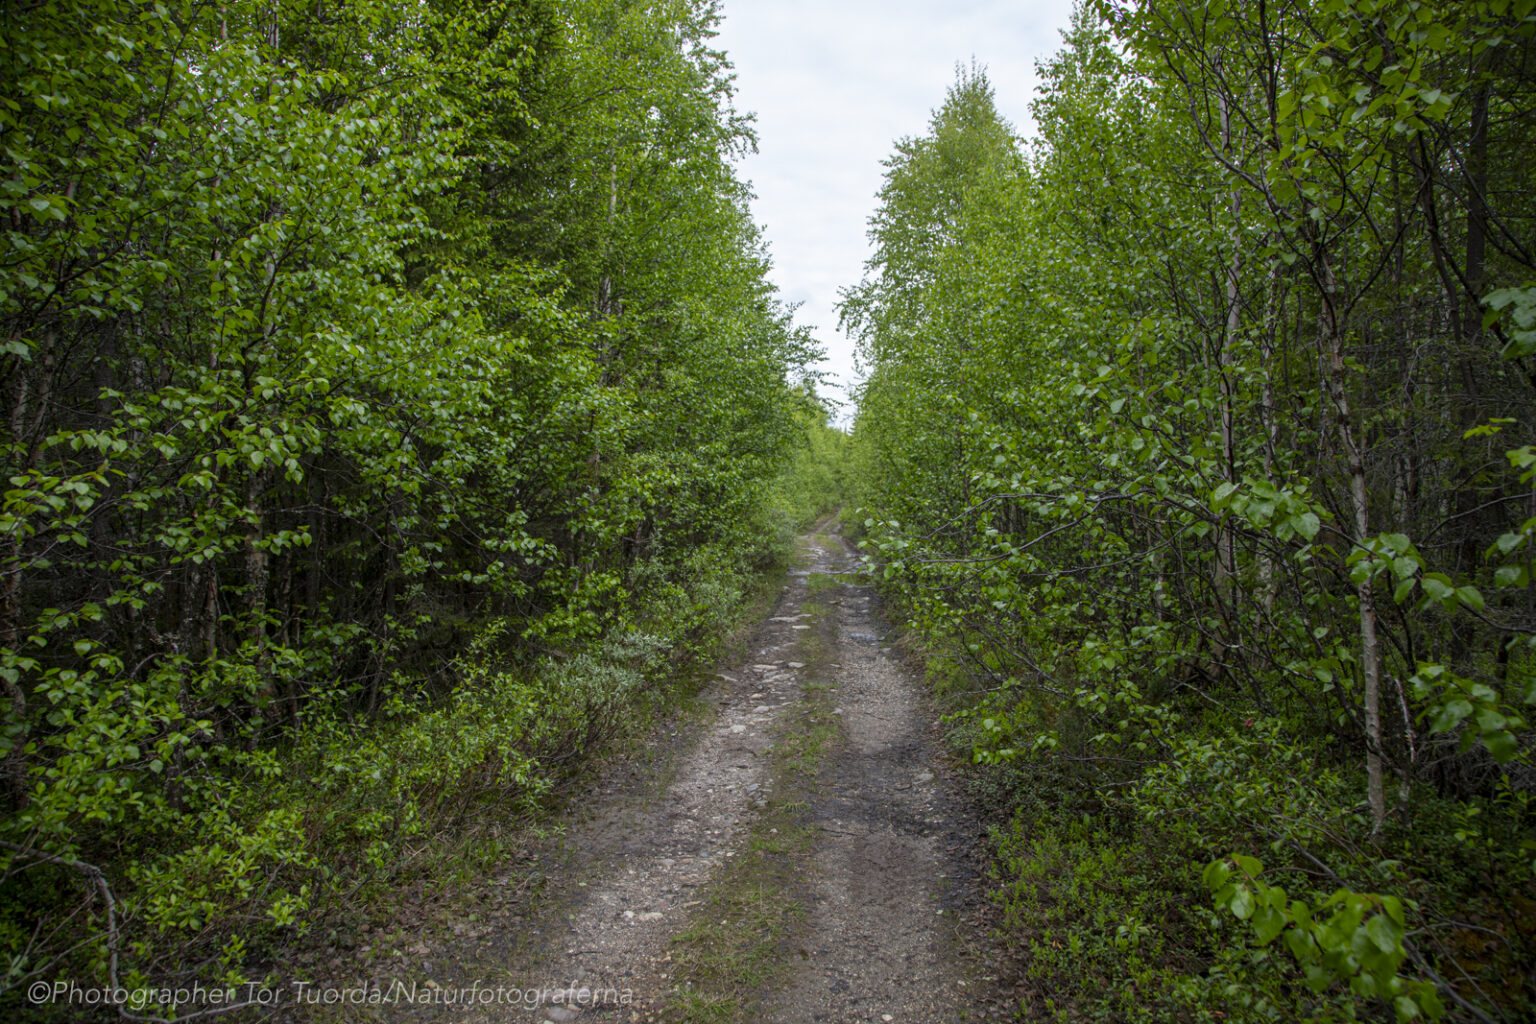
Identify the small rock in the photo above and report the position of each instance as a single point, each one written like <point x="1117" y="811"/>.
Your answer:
<point x="738" y="728"/>
<point x="795" y="664"/>
<point x="925" y="776"/>
<point x="761" y="708"/>
<point x="560" y="1014"/>
<point x="651" y="915"/>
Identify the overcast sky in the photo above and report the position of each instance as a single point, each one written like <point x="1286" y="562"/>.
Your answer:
<point x="834" y="83"/>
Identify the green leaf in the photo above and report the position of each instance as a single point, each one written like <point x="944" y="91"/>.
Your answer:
<point x="1386" y="935"/>
<point x="1267" y="924"/>
<point x="1451" y="715"/>
<point x="1502" y="746"/>
<point x="1301" y="945"/>
<point x="1438" y="586"/>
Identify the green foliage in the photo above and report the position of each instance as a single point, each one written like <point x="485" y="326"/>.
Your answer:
<point x="340" y="343"/>
<point x="815" y="482"/>
<point x="1359" y="942"/>
<point x="1085" y="902"/>
<point x="1197" y="442"/>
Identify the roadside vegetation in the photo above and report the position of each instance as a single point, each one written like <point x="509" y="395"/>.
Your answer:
<point x="397" y="413"/>
<point x="393" y="401"/>
<point x="1196" y="452"/>
<point x="816" y="483"/>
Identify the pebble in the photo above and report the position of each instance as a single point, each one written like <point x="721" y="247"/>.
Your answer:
<point x="738" y="728"/>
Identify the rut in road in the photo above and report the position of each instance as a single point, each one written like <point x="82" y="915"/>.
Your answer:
<point x="887" y="933"/>
<point x="880" y="925"/>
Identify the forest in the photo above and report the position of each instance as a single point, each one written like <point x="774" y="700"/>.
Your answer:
<point x="394" y="397"/>
<point x="1197" y="450"/>
<point x="398" y="412"/>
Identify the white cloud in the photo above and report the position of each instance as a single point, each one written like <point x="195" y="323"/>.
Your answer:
<point x="834" y="84"/>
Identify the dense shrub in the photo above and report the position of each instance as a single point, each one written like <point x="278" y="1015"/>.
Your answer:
<point x="1196" y="443"/>
<point x="391" y="397"/>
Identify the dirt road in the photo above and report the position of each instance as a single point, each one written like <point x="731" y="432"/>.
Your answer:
<point x="799" y="856"/>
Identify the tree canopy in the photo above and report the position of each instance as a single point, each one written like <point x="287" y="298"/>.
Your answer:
<point x="391" y="396"/>
<point x="1197" y="448"/>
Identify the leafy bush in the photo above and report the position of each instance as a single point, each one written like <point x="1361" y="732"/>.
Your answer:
<point x="1187" y="454"/>
<point x="391" y="404"/>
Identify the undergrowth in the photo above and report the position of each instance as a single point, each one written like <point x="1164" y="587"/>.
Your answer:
<point x="316" y="841"/>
